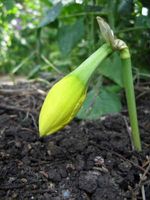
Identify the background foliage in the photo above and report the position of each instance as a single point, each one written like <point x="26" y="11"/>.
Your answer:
<point x="49" y="38"/>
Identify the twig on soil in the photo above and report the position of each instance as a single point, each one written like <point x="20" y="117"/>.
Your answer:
<point x="28" y="129"/>
<point x="143" y="191"/>
<point x="142" y="181"/>
<point x="22" y="91"/>
<point x="138" y="166"/>
<point x="101" y="169"/>
<point x="34" y="121"/>
<point x="8" y="107"/>
<point x="143" y="88"/>
<point x="147" y="161"/>
<point x="143" y="177"/>
<point x="128" y="131"/>
<point x="133" y="193"/>
<point x="142" y="94"/>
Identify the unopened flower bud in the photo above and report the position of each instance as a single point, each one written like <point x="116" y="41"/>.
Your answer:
<point x="65" y="98"/>
<point x="61" y="104"/>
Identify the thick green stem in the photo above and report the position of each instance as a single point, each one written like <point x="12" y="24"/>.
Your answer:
<point x="120" y="45"/>
<point x="86" y="69"/>
<point x="129" y="90"/>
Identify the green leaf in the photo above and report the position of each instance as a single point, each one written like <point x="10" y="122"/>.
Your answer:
<point x="72" y="9"/>
<point x="9" y="4"/>
<point x="69" y="36"/>
<point x="143" y="21"/>
<point x="126" y="7"/>
<point x="98" y="104"/>
<point x="51" y="15"/>
<point x="112" y="69"/>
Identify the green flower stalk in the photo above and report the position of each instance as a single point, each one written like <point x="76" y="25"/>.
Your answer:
<point x="130" y="96"/>
<point x="65" y="98"/>
<point x="120" y="45"/>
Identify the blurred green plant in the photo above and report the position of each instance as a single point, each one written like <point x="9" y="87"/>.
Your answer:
<point x="48" y="38"/>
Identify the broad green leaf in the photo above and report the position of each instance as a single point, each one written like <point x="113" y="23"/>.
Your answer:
<point x="113" y="88"/>
<point x="112" y="69"/>
<point x="99" y="103"/>
<point x="9" y="4"/>
<point x="69" y="36"/>
<point x="72" y="9"/>
<point x="51" y="15"/>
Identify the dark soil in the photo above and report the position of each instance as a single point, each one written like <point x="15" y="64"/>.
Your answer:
<point x="91" y="160"/>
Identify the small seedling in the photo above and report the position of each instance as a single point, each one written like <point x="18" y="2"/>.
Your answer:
<point x="66" y="97"/>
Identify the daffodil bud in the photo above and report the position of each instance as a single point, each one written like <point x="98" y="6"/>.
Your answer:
<point x="66" y="97"/>
<point x="61" y="104"/>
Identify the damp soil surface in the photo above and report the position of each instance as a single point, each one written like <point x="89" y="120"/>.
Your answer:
<point x="87" y="160"/>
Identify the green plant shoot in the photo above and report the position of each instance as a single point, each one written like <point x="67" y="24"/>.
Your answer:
<point x="66" y="97"/>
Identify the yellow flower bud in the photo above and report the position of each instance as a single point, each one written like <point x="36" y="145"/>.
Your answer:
<point x="61" y="104"/>
<point x="66" y="97"/>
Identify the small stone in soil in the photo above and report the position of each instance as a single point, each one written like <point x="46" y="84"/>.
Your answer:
<point x="88" y="181"/>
